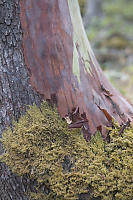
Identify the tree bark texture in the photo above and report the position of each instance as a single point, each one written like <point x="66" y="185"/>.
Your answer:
<point x="62" y="64"/>
<point x="52" y="58"/>
<point x="15" y="90"/>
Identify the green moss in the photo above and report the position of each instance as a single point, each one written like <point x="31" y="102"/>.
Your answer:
<point x="63" y="163"/>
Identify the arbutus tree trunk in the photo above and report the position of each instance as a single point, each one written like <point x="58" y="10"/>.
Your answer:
<point x="51" y="60"/>
<point x="63" y="67"/>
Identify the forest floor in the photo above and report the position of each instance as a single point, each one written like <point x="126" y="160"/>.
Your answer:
<point x="112" y="41"/>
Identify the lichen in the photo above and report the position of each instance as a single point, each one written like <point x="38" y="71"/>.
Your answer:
<point x="63" y="164"/>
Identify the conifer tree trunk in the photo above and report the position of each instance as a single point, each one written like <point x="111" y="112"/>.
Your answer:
<point x="45" y="54"/>
<point x="15" y="90"/>
<point x="93" y="9"/>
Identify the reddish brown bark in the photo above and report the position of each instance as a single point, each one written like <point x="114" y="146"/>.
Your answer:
<point x="48" y="51"/>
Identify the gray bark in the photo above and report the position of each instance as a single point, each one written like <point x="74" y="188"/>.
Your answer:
<point x="93" y="9"/>
<point x="15" y="90"/>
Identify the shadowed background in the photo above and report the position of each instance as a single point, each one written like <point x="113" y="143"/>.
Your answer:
<point x="109" y="26"/>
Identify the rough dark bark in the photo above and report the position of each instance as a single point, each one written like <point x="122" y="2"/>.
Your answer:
<point x="15" y="90"/>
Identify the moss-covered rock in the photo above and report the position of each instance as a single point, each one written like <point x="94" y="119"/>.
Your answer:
<point x="63" y="164"/>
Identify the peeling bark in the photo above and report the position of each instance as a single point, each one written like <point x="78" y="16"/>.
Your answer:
<point x="62" y="64"/>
